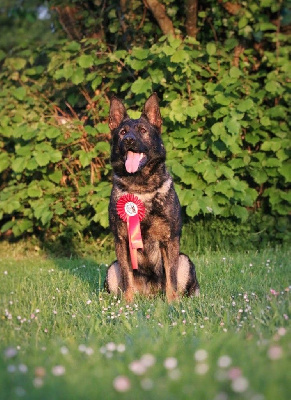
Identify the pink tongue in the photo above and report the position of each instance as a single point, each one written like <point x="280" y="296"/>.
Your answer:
<point x="132" y="161"/>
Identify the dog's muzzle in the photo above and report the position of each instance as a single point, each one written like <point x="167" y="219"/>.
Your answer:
<point x="133" y="152"/>
<point x="129" y="142"/>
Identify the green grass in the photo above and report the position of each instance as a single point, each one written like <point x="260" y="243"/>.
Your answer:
<point x="53" y="313"/>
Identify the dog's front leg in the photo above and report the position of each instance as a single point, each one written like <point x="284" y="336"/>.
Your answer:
<point x="170" y="254"/>
<point x="126" y="272"/>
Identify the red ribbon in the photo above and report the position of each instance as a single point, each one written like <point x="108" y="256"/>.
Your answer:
<point x="132" y="210"/>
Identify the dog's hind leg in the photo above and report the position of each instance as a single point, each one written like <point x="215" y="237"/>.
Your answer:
<point x="113" y="279"/>
<point x="186" y="277"/>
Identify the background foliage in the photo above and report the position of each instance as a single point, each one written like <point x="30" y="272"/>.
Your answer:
<point x="224" y="90"/>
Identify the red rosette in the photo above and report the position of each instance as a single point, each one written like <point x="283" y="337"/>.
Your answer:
<point x="123" y="206"/>
<point x="132" y="210"/>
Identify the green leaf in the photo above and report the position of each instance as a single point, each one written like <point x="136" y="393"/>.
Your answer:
<point x="32" y="164"/>
<point x="140" y="53"/>
<point x="271" y="145"/>
<point x="2" y="55"/>
<point x="19" y="164"/>
<point x="193" y="209"/>
<point x="259" y="176"/>
<point x="96" y="82"/>
<point x="55" y="156"/>
<point x="236" y="163"/>
<point x="240" y="212"/>
<point x="15" y="63"/>
<point x="8" y="225"/>
<point x="180" y="56"/>
<point x="265" y="121"/>
<point x="285" y="170"/>
<point x="218" y="129"/>
<point x="34" y="191"/>
<point x="210" y="175"/>
<point x="78" y="76"/>
<point x="226" y="171"/>
<point x="85" y="158"/>
<point x="42" y="212"/>
<point x="56" y="176"/>
<point x="273" y="87"/>
<point x="73" y="46"/>
<point x="178" y="170"/>
<point x="24" y="225"/>
<point x="42" y="158"/>
<point x="4" y="161"/>
<point x="11" y="206"/>
<point x="224" y="188"/>
<point x="59" y="209"/>
<point x="101" y="215"/>
<point x="85" y="61"/>
<point x="141" y="86"/>
<point x="235" y="72"/>
<point x="46" y="217"/>
<point x="52" y="132"/>
<point x="243" y="21"/>
<point x="137" y="65"/>
<point x="233" y="126"/>
<point x="210" y="49"/>
<point x="19" y="93"/>
<point x="245" y="105"/>
<point x="222" y="99"/>
<point x="103" y="147"/>
<point x="267" y="26"/>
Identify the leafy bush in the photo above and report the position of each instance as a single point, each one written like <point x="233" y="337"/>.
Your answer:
<point x="225" y="112"/>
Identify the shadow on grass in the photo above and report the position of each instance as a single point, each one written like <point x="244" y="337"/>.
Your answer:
<point x="87" y="260"/>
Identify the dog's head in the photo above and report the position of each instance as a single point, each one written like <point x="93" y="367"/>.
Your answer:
<point x="136" y="143"/>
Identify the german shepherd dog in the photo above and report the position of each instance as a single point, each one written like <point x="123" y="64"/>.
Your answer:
<point x="138" y="161"/>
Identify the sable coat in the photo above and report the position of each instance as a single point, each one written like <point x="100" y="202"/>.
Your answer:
<point x="138" y="162"/>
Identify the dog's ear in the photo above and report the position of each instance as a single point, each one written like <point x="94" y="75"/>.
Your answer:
<point x="151" y="111"/>
<point x="117" y="113"/>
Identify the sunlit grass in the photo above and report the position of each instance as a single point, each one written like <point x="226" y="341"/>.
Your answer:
<point x="62" y="337"/>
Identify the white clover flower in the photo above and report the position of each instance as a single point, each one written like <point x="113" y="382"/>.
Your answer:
<point x="240" y="384"/>
<point x="120" y="348"/>
<point x="22" y="368"/>
<point x="38" y="382"/>
<point x="121" y="383"/>
<point x="58" y="370"/>
<point x="224" y="361"/>
<point x="111" y="346"/>
<point x="146" y="384"/>
<point x="89" y="351"/>
<point x="275" y="352"/>
<point x="10" y="352"/>
<point x="137" y="367"/>
<point x="174" y="374"/>
<point x="148" y="360"/>
<point x="64" y="350"/>
<point x="170" y="363"/>
<point x="200" y="355"/>
<point x="201" y="368"/>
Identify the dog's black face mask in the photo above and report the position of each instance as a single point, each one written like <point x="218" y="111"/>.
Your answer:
<point x="136" y="143"/>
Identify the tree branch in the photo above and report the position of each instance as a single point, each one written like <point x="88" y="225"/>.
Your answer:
<point x="191" y="7"/>
<point x="159" y="12"/>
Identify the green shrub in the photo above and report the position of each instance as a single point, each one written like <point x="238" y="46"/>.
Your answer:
<point x="226" y="125"/>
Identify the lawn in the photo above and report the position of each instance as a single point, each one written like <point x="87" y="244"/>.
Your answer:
<point x="62" y="337"/>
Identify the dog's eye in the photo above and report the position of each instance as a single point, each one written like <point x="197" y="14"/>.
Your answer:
<point x="142" y="130"/>
<point x="122" y="132"/>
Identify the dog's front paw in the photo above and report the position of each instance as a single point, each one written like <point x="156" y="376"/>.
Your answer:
<point x="128" y="295"/>
<point x="172" y="296"/>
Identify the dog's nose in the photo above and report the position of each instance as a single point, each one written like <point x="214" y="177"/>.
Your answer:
<point x="129" y="139"/>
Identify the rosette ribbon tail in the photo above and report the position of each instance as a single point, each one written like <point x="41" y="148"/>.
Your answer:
<point x="135" y="239"/>
<point x="132" y="210"/>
